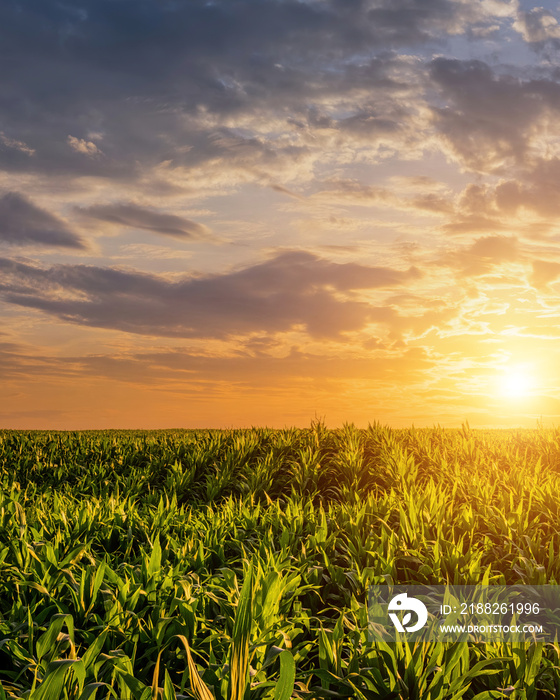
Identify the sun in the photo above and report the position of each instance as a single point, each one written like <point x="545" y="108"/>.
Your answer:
<point x="516" y="383"/>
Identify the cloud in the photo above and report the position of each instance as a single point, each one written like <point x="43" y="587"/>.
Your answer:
<point x="490" y="120"/>
<point x="544" y="271"/>
<point x="537" y="26"/>
<point x="536" y="191"/>
<point x="472" y="224"/>
<point x="134" y="216"/>
<point x="495" y="207"/>
<point x="18" y="145"/>
<point x="483" y="255"/>
<point x="180" y="367"/>
<point x="433" y="203"/>
<point x="158" y="78"/>
<point x="88" y="148"/>
<point x="24" y="223"/>
<point x="292" y="289"/>
<point x="347" y="191"/>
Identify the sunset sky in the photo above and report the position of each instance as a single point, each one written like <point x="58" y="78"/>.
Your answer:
<point x="260" y="212"/>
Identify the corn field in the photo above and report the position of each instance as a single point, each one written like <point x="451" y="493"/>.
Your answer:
<point x="235" y="565"/>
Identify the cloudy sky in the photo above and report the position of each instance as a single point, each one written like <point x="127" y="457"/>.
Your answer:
<point x="227" y="213"/>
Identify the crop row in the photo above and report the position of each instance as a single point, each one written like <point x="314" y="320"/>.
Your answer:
<point x="236" y="564"/>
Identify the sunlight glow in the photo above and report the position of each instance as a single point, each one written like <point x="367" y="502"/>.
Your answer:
<point x="516" y="382"/>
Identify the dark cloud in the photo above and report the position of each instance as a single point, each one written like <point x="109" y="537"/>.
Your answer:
<point x="538" y="26"/>
<point x="134" y="216"/>
<point x="107" y="88"/>
<point x="24" y="223"/>
<point x="294" y="288"/>
<point x="491" y="207"/>
<point x="538" y="190"/>
<point x="490" y="119"/>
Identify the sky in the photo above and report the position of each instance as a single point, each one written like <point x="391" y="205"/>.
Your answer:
<point x="235" y="213"/>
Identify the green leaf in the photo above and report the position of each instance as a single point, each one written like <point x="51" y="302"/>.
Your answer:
<point x="90" y="690"/>
<point x="285" y="687"/>
<point x="140" y="691"/>
<point x="154" y="565"/>
<point x="239" y="656"/>
<point x="168" y="689"/>
<point x="47" y="642"/>
<point x="94" y="650"/>
<point x="53" y="684"/>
